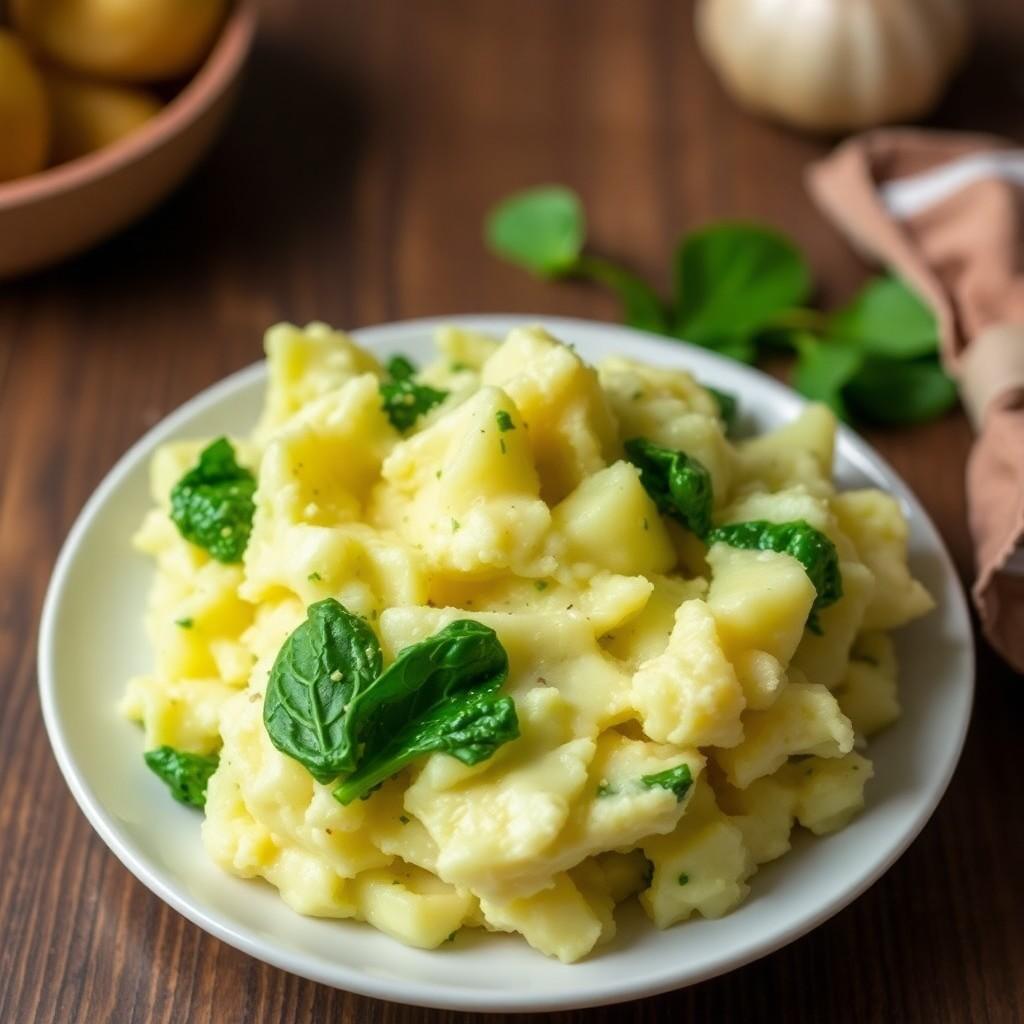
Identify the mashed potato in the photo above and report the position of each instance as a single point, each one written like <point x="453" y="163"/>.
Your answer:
<point x="680" y="707"/>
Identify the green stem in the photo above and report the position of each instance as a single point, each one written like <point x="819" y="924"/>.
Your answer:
<point x="642" y="306"/>
<point x="799" y="319"/>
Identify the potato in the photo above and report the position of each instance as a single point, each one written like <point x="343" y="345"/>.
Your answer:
<point x="90" y="115"/>
<point x="130" y="40"/>
<point x="24" y="114"/>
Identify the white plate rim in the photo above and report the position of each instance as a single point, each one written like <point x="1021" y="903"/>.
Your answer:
<point x="414" y="992"/>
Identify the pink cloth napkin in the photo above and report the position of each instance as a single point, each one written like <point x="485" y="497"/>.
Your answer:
<point x="946" y="213"/>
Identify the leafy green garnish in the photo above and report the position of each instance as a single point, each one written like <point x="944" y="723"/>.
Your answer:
<point x="405" y="401"/>
<point x="504" y="420"/>
<point x="541" y="229"/>
<point x="185" y="623"/>
<point x="437" y="695"/>
<point x="728" y="407"/>
<point x="683" y="879"/>
<point x="212" y="504"/>
<point x="544" y="229"/>
<point x="740" y="289"/>
<point x="540" y="584"/>
<point x="186" y="774"/>
<point x="677" y="780"/>
<point x="331" y="708"/>
<point x="321" y="668"/>
<point x="731" y="279"/>
<point x="810" y="547"/>
<point x="606" y="789"/>
<point x="679" y="484"/>
<point x="887" y="319"/>
<point x="314" y="577"/>
<point x="901" y="394"/>
<point x="823" y="370"/>
<point x="400" y="368"/>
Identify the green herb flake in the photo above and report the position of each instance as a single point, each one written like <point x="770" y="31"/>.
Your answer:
<point x="605" y="788"/>
<point x="677" y="780"/>
<point x="456" y="525"/>
<point x="683" y="879"/>
<point x="314" y="577"/>
<point x="679" y="484"/>
<point x="212" y="504"/>
<point x="504" y="420"/>
<point x="184" y="623"/>
<point x="403" y="819"/>
<point x="185" y="774"/>
<point x="540" y="585"/>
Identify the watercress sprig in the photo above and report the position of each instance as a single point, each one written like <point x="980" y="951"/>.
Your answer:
<point x="741" y="289"/>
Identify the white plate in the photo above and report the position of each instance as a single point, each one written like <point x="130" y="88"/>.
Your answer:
<point x="91" y="641"/>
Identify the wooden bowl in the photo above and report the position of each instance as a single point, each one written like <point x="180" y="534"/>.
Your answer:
<point x="48" y="216"/>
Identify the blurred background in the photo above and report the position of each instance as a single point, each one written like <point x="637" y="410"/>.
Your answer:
<point x="350" y="184"/>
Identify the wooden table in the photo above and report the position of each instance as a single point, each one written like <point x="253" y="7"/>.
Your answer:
<point x="350" y="186"/>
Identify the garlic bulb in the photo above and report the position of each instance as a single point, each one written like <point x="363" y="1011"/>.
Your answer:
<point x="834" y="65"/>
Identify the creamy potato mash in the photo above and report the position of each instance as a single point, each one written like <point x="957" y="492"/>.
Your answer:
<point x="682" y="701"/>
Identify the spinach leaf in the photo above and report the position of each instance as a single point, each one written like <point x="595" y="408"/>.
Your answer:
<point x="320" y="670"/>
<point x="437" y="695"/>
<point x="887" y="319"/>
<point x="403" y="399"/>
<point x="186" y="774"/>
<point x="212" y="504"/>
<point x="901" y="393"/>
<point x="677" y="780"/>
<point x="810" y="547"/>
<point x="728" y="407"/>
<point x="679" y="484"/>
<point x="731" y="279"/>
<point x="541" y="229"/>
<point x="823" y="369"/>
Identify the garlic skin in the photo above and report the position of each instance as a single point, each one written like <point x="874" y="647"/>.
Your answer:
<point x="834" y="65"/>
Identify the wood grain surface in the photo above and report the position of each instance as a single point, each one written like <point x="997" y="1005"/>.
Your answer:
<point x="350" y="186"/>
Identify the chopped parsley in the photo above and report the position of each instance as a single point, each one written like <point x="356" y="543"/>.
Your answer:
<point x="677" y="780"/>
<point x="402" y="398"/>
<point x="684" y="878"/>
<point x="314" y="577"/>
<point x="504" y="421"/>
<point x="184" y="623"/>
<point x="540" y="584"/>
